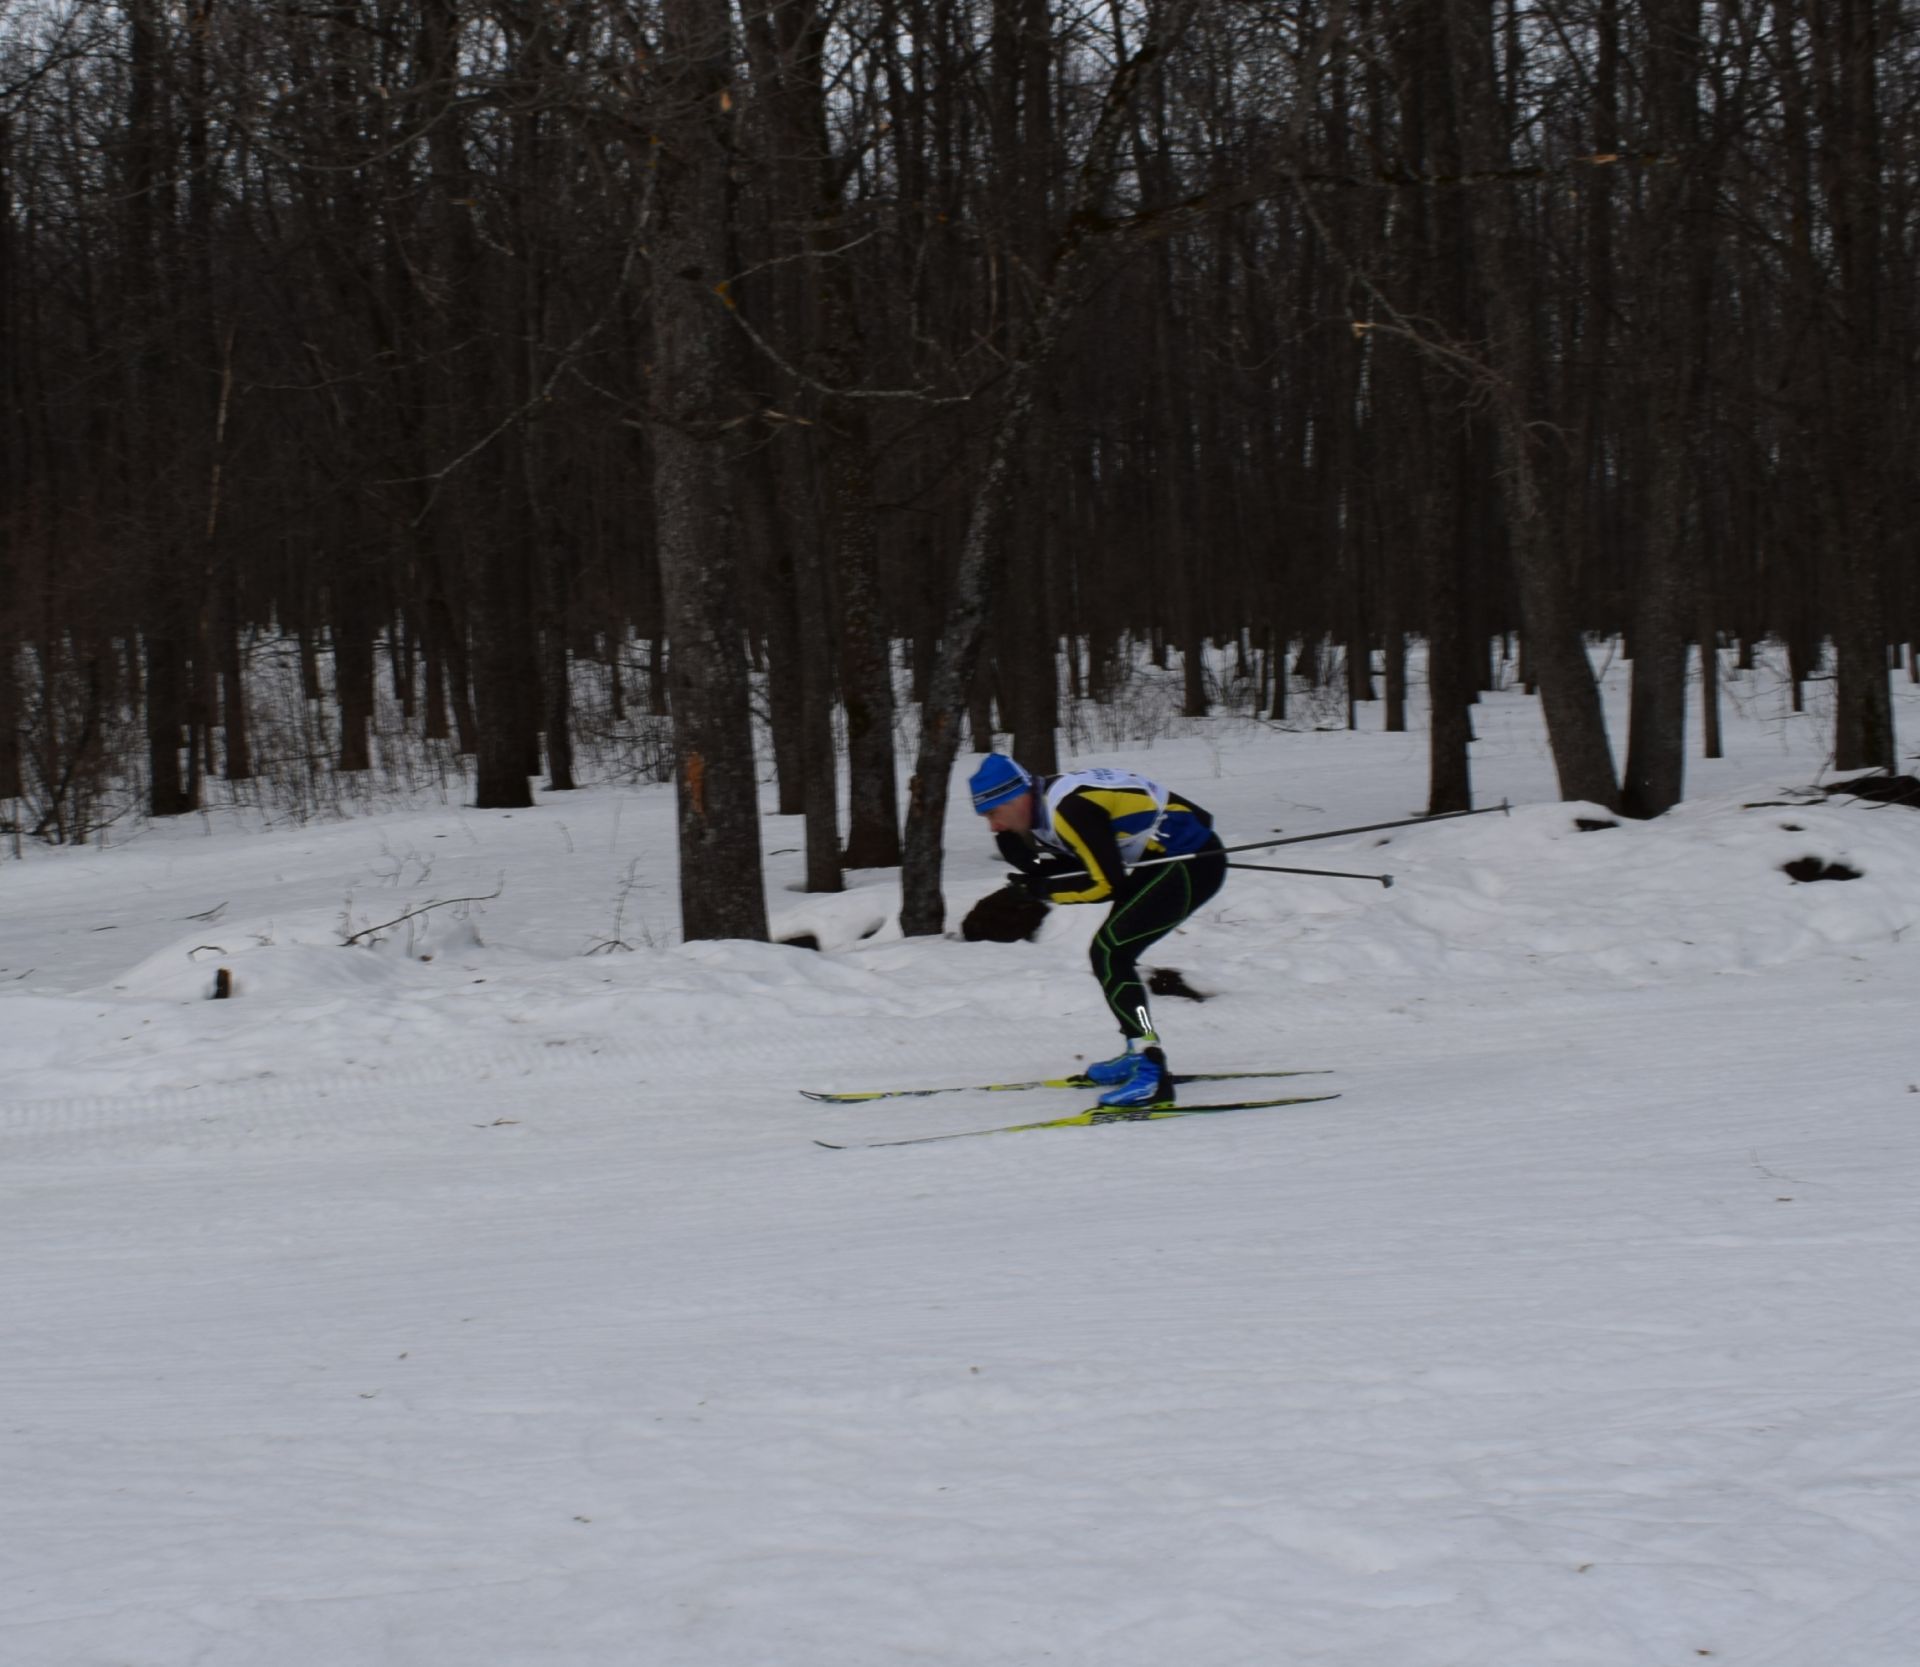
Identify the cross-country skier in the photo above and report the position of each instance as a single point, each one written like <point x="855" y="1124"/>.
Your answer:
<point x="1072" y="839"/>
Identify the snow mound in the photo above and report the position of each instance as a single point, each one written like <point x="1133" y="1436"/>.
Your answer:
<point x="1701" y="890"/>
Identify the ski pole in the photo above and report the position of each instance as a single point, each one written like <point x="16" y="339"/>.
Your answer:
<point x="1331" y="833"/>
<point x="1324" y="873"/>
<point x="1301" y="839"/>
<point x="1371" y="827"/>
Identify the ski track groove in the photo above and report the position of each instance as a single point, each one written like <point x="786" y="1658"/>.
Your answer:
<point x="88" y="1123"/>
<point x="1886" y="1612"/>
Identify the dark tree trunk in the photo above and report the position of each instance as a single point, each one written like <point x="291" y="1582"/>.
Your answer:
<point x="923" y="909"/>
<point x="1711" y="744"/>
<point x="167" y="790"/>
<point x="820" y="773"/>
<point x="789" y="715"/>
<point x="1860" y="478"/>
<point x="1395" y="721"/>
<point x="1555" y="646"/>
<point x="167" y="632"/>
<point x="13" y="476"/>
<point x="722" y="894"/>
<point x="787" y="43"/>
<point x="866" y="648"/>
<point x="11" y="781"/>
<point x="783" y="503"/>
<point x="352" y="632"/>
<point x="1674" y="348"/>
<point x="501" y="687"/>
<point x="1446" y="439"/>
<point x="557" y="683"/>
<point x="1024" y="642"/>
<point x="1450" y="683"/>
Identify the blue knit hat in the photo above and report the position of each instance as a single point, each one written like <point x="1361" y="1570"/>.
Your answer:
<point x="998" y="781"/>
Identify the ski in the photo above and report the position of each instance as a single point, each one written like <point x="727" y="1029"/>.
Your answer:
<point x="1088" y="1118"/>
<point x="1043" y="1082"/>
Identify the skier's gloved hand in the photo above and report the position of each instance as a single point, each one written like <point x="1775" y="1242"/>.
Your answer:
<point x="1033" y="887"/>
<point x="1131" y="882"/>
<point x="1061" y="873"/>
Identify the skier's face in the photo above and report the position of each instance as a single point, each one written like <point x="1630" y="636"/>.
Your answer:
<point x="1015" y="816"/>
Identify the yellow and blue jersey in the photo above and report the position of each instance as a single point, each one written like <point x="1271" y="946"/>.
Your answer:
<point x="1106" y="820"/>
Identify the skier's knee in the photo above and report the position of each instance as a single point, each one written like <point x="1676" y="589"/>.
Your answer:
<point x="1111" y="965"/>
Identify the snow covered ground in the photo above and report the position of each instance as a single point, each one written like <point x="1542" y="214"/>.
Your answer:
<point x="477" y="1297"/>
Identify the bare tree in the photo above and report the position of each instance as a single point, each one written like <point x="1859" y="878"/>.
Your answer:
<point x="693" y="406"/>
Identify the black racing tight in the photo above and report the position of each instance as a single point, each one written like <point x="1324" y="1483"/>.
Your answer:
<point x="1159" y="900"/>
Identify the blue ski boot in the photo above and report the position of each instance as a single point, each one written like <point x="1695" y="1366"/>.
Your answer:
<point x="1148" y="1084"/>
<point x="1107" y="1072"/>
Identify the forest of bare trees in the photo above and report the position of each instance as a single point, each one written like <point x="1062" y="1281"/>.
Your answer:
<point x="528" y="363"/>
